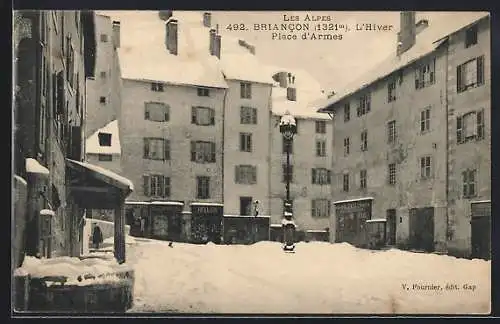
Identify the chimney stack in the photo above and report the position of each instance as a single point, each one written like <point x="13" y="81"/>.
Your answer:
<point x="165" y="14"/>
<point x="291" y="91"/>
<point x="407" y="32"/>
<point x="171" y="36"/>
<point x="211" y="43"/>
<point x="207" y="19"/>
<point x="116" y="34"/>
<point x="283" y="79"/>
<point x="217" y="46"/>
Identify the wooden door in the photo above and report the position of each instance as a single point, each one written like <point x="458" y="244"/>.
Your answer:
<point x="391" y="226"/>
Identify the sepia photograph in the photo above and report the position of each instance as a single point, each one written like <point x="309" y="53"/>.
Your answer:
<point x="251" y="163"/>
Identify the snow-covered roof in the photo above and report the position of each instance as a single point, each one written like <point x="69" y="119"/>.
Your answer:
<point x="376" y="220"/>
<point x="105" y="173"/>
<point x="441" y="25"/>
<point x="247" y="216"/>
<point x="206" y="204"/>
<point x="47" y="212"/>
<point x="352" y="200"/>
<point x="167" y="203"/>
<point x="143" y="54"/>
<point x="33" y="166"/>
<point x="308" y="93"/>
<point x="92" y="143"/>
<point x="128" y="202"/>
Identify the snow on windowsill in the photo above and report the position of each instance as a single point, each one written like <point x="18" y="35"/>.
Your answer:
<point x="33" y="166"/>
<point x="47" y="212"/>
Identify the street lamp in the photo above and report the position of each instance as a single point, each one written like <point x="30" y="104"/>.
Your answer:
<point x="288" y="128"/>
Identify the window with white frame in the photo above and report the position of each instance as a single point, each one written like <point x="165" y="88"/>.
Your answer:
<point x="471" y="36"/>
<point x="203" y="92"/>
<point x="320" y="127"/>
<point x="364" y="140"/>
<point x="425" y="74"/>
<point x="202" y="116"/>
<point x="246" y="90"/>
<point x="425" y="167"/>
<point x="345" y="182"/>
<point x="470" y="74"/>
<point x="347" y="112"/>
<point x="321" y="176"/>
<point x="156" y="148"/>
<point x="202" y="187"/>
<point x="156" y="111"/>
<point x="391" y="174"/>
<point x="203" y="152"/>
<point x="346" y="146"/>
<point x="248" y="115"/>
<point x="246" y="142"/>
<point x="391" y="132"/>
<point x="245" y="174"/>
<point x="156" y="185"/>
<point x="391" y="91"/>
<point x="425" y="120"/>
<point x="469" y="183"/>
<point x="364" y="104"/>
<point x="470" y="126"/>
<point x="157" y="87"/>
<point x="320" y="208"/>
<point x="320" y="148"/>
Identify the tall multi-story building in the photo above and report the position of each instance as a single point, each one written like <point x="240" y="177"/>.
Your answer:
<point x="198" y="115"/>
<point x="311" y="157"/>
<point x="400" y="144"/>
<point x="53" y="53"/>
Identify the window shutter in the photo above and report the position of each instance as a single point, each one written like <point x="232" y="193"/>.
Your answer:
<point x="242" y="142"/>
<point x="146" y="185"/>
<point x="146" y="148"/>
<point x="166" y="150"/>
<point x="161" y="185"/>
<point x="480" y="70"/>
<point x="329" y="176"/>
<point x="459" y="78"/>
<point x="193" y="151"/>
<point x="254" y="116"/>
<point x="249" y="143"/>
<point x="167" y="113"/>
<point x="480" y="124"/>
<point x="254" y="174"/>
<point x="465" y="184"/>
<point x="459" y="130"/>
<point x="212" y="152"/>
<point x="212" y="117"/>
<point x="237" y="174"/>
<point x="193" y="115"/>
<point x="166" y="187"/>
<point x="313" y="178"/>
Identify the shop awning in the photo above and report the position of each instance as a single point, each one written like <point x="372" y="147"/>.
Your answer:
<point x="95" y="187"/>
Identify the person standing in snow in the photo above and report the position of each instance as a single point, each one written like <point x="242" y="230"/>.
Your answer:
<point x="97" y="237"/>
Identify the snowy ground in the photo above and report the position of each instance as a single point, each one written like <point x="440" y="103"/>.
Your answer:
<point x="319" y="278"/>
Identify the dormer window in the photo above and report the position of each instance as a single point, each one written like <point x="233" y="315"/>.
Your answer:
<point x="104" y="139"/>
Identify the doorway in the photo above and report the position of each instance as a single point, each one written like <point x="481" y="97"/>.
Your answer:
<point x="481" y="230"/>
<point x="246" y="206"/>
<point x="422" y="229"/>
<point x="391" y="226"/>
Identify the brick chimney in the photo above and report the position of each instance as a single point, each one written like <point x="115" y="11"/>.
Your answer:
<point x="291" y="91"/>
<point x="165" y="14"/>
<point x="407" y="31"/>
<point x="116" y="34"/>
<point x="207" y="19"/>
<point x="421" y="25"/>
<point x="171" y="36"/>
<point x="283" y="79"/>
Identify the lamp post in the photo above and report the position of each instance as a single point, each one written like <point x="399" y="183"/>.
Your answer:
<point x="288" y="128"/>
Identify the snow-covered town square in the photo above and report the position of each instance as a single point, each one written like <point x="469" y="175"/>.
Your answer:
<point x="239" y="162"/>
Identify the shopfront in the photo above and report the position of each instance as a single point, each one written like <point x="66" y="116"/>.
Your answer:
<point x="166" y="220"/>
<point x="206" y="222"/>
<point x="351" y="216"/>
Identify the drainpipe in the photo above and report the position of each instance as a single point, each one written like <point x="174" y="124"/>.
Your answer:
<point x="447" y="144"/>
<point x="223" y="137"/>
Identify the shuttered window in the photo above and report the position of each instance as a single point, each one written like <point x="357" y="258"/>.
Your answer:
<point x="155" y="185"/>
<point x="203" y="152"/>
<point x="245" y="174"/>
